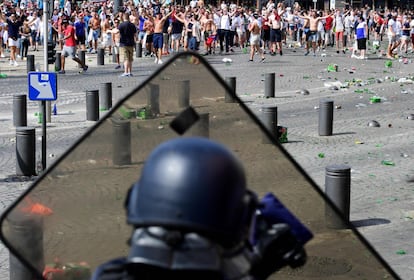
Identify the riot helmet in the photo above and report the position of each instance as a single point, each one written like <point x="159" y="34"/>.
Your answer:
<point x="193" y="184"/>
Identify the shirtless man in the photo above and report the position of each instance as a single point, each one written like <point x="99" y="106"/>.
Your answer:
<point x="149" y="31"/>
<point x="313" y="29"/>
<point x="95" y="26"/>
<point x="134" y="17"/>
<point x="157" y="38"/>
<point x="106" y="35"/>
<point x="209" y="29"/>
<point x="275" y="23"/>
<point x="254" y="30"/>
<point x="115" y="42"/>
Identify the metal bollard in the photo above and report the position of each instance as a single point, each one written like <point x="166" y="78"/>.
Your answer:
<point x="338" y="190"/>
<point x="92" y="105"/>
<point x="101" y="56"/>
<point x="229" y="97"/>
<point x="26" y="231"/>
<point x="138" y="49"/>
<point x="105" y="92"/>
<point x="82" y="57"/>
<point x="25" y="151"/>
<point x="325" y="117"/>
<point x="153" y="100"/>
<point x="30" y="63"/>
<point x="121" y="142"/>
<point x="270" y="85"/>
<point x="184" y="94"/>
<point x="202" y="127"/>
<point x="113" y="56"/>
<point x="20" y="110"/>
<point x="58" y="62"/>
<point x="269" y="120"/>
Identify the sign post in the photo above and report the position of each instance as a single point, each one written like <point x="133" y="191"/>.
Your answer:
<point x="47" y="7"/>
<point x="42" y="87"/>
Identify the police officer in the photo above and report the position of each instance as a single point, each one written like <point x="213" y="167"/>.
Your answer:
<point x="192" y="216"/>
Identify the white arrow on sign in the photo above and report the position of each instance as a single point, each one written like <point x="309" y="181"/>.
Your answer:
<point x="44" y="88"/>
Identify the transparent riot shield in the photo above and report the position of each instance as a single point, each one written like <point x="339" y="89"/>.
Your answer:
<point x="74" y="216"/>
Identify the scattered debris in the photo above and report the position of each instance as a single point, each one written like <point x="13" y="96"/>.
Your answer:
<point x="388" y="63"/>
<point x="336" y="84"/>
<point x="409" y="215"/>
<point x="361" y="105"/>
<point x="332" y="68"/>
<point x="387" y="162"/>
<point x="374" y="123"/>
<point x="375" y="99"/>
<point x="226" y="60"/>
<point x="405" y="81"/>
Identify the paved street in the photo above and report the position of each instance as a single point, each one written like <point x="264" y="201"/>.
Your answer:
<point x="382" y="195"/>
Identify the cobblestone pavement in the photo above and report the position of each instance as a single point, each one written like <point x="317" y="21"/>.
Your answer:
<point x="382" y="195"/>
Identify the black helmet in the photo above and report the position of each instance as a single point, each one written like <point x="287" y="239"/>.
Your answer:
<point x="194" y="185"/>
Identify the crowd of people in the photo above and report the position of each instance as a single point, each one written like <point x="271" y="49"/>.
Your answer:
<point x="163" y="28"/>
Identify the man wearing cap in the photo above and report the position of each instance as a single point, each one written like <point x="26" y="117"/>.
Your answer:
<point x="13" y="31"/>
<point x="69" y="48"/>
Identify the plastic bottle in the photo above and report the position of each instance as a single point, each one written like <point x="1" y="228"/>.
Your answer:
<point x="388" y="162"/>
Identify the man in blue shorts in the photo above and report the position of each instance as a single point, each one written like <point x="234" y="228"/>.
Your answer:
<point x="157" y="39"/>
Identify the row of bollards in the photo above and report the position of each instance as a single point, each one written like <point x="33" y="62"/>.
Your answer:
<point x="30" y="63"/>
<point x="25" y="136"/>
<point x="98" y="100"/>
<point x="325" y="110"/>
<point x="94" y="104"/>
<point x="337" y="177"/>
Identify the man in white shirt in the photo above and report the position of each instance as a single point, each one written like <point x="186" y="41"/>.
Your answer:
<point x="339" y="30"/>
<point x="224" y="30"/>
<point x="394" y="29"/>
<point x="34" y="23"/>
<point x="349" y="23"/>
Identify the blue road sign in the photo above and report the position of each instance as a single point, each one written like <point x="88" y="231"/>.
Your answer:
<point x="42" y="86"/>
